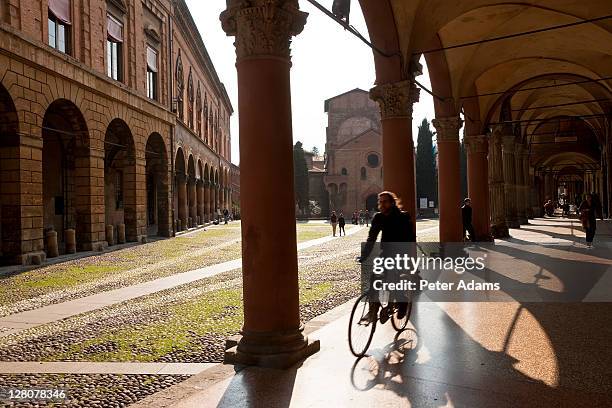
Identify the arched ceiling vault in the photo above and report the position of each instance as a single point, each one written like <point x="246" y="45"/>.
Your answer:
<point x="578" y="52"/>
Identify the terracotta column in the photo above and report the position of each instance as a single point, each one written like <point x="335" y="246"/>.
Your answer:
<point x="200" y="196"/>
<point x="272" y="332"/>
<point x="548" y="185"/>
<point x="499" y="229"/>
<point x="182" y="199"/>
<point x="508" y="150"/>
<point x="193" y="201"/>
<point x="478" y="184"/>
<point x="396" y="101"/>
<point x="449" y="179"/>
<point x="528" y="182"/>
<point x="207" y="201"/>
<point x="521" y="208"/>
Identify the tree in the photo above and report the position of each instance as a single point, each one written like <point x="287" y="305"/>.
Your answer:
<point x="300" y="178"/>
<point x="315" y="151"/>
<point x="426" y="177"/>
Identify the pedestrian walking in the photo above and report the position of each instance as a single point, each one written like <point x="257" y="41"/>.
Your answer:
<point x="588" y="219"/>
<point x="341" y="223"/>
<point x="368" y="217"/>
<point x="333" y="221"/>
<point x="226" y="215"/>
<point x="466" y="217"/>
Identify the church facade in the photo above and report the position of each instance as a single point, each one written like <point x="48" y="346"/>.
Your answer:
<point x="353" y="153"/>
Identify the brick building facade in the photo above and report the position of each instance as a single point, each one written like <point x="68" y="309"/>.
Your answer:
<point x="353" y="170"/>
<point x="111" y="117"/>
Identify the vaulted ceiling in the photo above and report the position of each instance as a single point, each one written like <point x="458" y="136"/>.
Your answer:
<point x="505" y="71"/>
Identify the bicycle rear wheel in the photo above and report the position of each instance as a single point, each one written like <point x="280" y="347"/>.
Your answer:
<point x="400" y="324"/>
<point x="360" y="335"/>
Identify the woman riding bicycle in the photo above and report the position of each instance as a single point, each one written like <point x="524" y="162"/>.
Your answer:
<point x="396" y="226"/>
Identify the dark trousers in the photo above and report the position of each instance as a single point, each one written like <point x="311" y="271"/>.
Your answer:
<point x="470" y="229"/>
<point x="342" y="229"/>
<point x="590" y="234"/>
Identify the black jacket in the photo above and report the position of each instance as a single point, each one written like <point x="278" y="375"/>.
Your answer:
<point x="397" y="226"/>
<point x="466" y="214"/>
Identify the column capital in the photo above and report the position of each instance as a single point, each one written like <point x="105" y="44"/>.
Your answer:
<point x="395" y="99"/>
<point x="263" y="28"/>
<point x="448" y="128"/>
<point x="476" y="144"/>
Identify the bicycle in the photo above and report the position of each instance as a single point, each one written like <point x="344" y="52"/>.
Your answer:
<point x="360" y="335"/>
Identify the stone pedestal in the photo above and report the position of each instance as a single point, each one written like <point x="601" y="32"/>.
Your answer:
<point x="70" y="241"/>
<point x="121" y="233"/>
<point x="52" y="249"/>
<point x="110" y="239"/>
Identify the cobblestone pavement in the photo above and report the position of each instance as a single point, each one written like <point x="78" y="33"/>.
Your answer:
<point x="86" y="276"/>
<point x="185" y="324"/>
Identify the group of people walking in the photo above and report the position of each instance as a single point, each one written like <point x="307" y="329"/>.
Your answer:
<point x="360" y="217"/>
<point x="588" y="210"/>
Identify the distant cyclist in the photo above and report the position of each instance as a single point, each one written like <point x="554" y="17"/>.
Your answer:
<point x="396" y="226"/>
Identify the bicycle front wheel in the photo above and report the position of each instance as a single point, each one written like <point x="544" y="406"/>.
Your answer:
<point x="400" y="324"/>
<point x="359" y="334"/>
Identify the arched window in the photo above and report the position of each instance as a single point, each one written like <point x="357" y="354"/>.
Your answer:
<point x="190" y="98"/>
<point x="205" y="117"/>
<point x="344" y="172"/>
<point x="199" y="111"/>
<point x="363" y="173"/>
<point x="180" y="85"/>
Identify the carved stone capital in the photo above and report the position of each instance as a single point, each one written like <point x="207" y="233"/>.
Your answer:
<point x="395" y="100"/>
<point x="476" y="144"/>
<point x="448" y="128"/>
<point x="263" y="28"/>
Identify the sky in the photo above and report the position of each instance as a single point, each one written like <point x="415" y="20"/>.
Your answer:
<point x="327" y="61"/>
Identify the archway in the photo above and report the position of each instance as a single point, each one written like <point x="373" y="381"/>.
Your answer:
<point x="120" y="179"/>
<point x="216" y="201"/>
<point x="180" y="183"/>
<point x="64" y="136"/>
<point x="10" y="229"/>
<point x="200" y="193"/>
<point x="157" y="187"/>
<point x="372" y="202"/>
<point x="191" y="192"/>
<point x="207" y="188"/>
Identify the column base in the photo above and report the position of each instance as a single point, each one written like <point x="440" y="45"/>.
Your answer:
<point x="513" y="223"/>
<point x="93" y="246"/>
<point x="523" y="220"/>
<point x="271" y="350"/>
<point x="30" y="258"/>
<point x="500" y="231"/>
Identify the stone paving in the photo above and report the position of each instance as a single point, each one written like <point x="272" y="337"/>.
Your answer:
<point x="96" y="337"/>
<point x="454" y="354"/>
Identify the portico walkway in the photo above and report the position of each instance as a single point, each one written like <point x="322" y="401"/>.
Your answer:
<point x="454" y="354"/>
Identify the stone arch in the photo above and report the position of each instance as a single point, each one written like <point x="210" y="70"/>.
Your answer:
<point x="191" y="191"/>
<point x="120" y="179"/>
<point x="10" y="214"/>
<point x="180" y="186"/>
<point x="65" y="160"/>
<point x="158" y="221"/>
